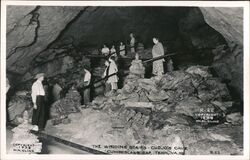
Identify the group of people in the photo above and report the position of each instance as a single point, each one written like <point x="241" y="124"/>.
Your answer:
<point x="38" y="91"/>
<point x="110" y="73"/>
<point x="122" y="51"/>
<point x="157" y="51"/>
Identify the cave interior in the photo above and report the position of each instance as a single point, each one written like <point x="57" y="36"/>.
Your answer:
<point x="60" y="40"/>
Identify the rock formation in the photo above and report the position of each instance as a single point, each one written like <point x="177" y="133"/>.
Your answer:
<point x="19" y="103"/>
<point x="228" y="60"/>
<point x="172" y="103"/>
<point x="31" y="32"/>
<point x="69" y="104"/>
<point x="47" y="39"/>
<point x="23" y="141"/>
<point x="188" y="108"/>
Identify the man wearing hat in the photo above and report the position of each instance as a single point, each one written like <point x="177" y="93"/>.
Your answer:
<point x="38" y="99"/>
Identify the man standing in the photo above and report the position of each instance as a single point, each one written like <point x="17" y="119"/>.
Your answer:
<point x="86" y="83"/>
<point x="105" y="50"/>
<point x="157" y="51"/>
<point x="132" y="43"/>
<point x="38" y="99"/>
<point x="122" y="49"/>
<point x="111" y="69"/>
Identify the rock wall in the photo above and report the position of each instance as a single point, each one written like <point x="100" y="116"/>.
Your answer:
<point x="228" y="60"/>
<point x="30" y="31"/>
<point x="37" y="36"/>
<point x="229" y="22"/>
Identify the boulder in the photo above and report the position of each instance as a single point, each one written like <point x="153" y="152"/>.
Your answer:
<point x="189" y="106"/>
<point x="56" y="92"/>
<point x="70" y="104"/>
<point x="235" y="118"/>
<point x="128" y="87"/>
<point x="171" y="80"/>
<point x="199" y="70"/>
<point x="218" y="89"/>
<point x="18" y="104"/>
<point x="22" y="135"/>
<point x="147" y="84"/>
<point x="99" y="100"/>
<point x="158" y="96"/>
<point x="139" y="104"/>
<point x="224" y="106"/>
<point x="163" y="106"/>
<point x="133" y="97"/>
<point x="162" y="119"/>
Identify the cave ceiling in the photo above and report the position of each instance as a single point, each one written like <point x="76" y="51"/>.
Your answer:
<point x="38" y="34"/>
<point x="33" y="30"/>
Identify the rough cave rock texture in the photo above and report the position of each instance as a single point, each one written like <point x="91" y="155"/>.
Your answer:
<point x="32" y="31"/>
<point x="228" y="61"/>
<point x="36" y="35"/>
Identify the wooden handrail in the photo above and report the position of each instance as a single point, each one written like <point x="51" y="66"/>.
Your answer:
<point x="150" y="60"/>
<point x="160" y="57"/>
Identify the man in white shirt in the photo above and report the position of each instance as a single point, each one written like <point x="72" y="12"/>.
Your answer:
<point x="38" y="99"/>
<point x="86" y="92"/>
<point x="113" y="69"/>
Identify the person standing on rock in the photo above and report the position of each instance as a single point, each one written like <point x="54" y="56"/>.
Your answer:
<point x="170" y="66"/>
<point x="132" y="43"/>
<point x="113" y="51"/>
<point x="111" y="69"/>
<point x="157" y="51"/>
<point x="38" y="99"/>
<point x="122" y="49"/>
<point x="106" y="74"/>
<point x="86" y="83"/>
<point x="105" y="50"/>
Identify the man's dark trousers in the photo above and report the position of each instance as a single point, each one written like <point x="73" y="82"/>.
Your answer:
<point x="38" y="117"/>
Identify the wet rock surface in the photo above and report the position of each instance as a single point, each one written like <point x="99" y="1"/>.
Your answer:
<point x="171" y="121"/>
